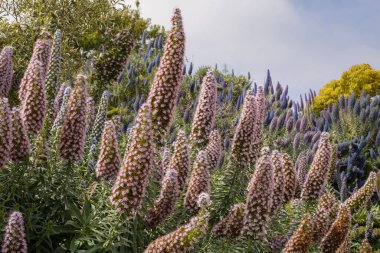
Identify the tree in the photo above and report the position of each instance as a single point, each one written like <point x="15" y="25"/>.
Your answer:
<point x="356" y="79"/>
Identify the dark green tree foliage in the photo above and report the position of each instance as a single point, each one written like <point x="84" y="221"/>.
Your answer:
<point x="110" y="63"/>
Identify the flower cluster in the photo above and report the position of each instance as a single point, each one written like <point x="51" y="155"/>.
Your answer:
<point x="203" y="200"/>
<point x="33" y="105"/>
<point x="302" y="167"/>
<point x="199" y="181"/>
<point x="300" y="241"/>
<point x="73" y="132"/>
<point x="129" y="188"/>
<point x="5" y="131"/>
<point x="278" y="182"/>
<point x="316" y="178"/>
<point x="91" y="112"/>
<point x="324" y="216"/>
<point x="109" y="157"/>
<point x="259" y="123"/>
<point x="260" y="196"/>
<point x="164" y="91"/>
<point x="183" y="239"/>
<point x="180" y="160"/>
<point x="41" y="53"/>
<point x="165" y="204"/>
<point x="62" y="112"/>
<point x="214" y="149"/>
<point x="333" y="163"/>
<point x="337" y="232"/>
<point x="20" y="146"/>
<point x="232" y="224"/>
<point x="53" y="71"/>
<point x="204" y="116"/>
<point x="14" y="236"/>
<point x="365" y="247"/>
<point x="240" y="150"/>
<point x="100" y="119"/>
<point x="290" y="178"/>
<point x="6" y="71"/>
<point x="59" y="98"/>
<point x="361" y="196"/>
<point x="163" y="164"/>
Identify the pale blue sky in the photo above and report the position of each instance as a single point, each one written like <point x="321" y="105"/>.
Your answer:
<point x="304" y="43"/>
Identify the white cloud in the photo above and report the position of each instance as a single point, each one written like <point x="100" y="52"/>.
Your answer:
<point x="299" y="47"/>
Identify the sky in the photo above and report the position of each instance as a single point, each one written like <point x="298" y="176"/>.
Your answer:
<point x="304" y="43"/>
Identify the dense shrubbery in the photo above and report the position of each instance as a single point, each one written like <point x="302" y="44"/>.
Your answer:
<point x="355" y="80"/>
<point x="163" y="158"/>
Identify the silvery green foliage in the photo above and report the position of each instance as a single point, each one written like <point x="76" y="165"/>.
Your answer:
<point x="52" y="78"/>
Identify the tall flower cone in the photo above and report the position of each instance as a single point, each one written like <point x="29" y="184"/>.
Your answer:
<point x="164" y="91"/>
<point x="165" y="204"/>
<point x="101" y="117"/>
<point x="41" y="53"/>
<point x="73" y="132"/>
<point x="214" y="149"/>
<point x="324" y="216"/>
<point x="59" y="98"/>
<point x="345" y="246"/>
<point x="61" y="113"/>
<point x="204" y="116"/>
<point x="6" y="71"/>
<point x="365" y="247"/>
<point x="300" y="241"/>
<point x="302" y="170"/>
<point x="333" y="161"/>
<point x="337" y="232"/>
<point x="5" y="131"/>
<point x="357" y="200"/>
<point x="180" y="160"/>
<point x="278" y="183"/>
<point x="290" y="178"/>
<point x="232" y="224"/>
<point x="53" y="71"/>
<point x="244" y="133"/>
<point x="33" y="105"/>
<point x="20" y="146"/>
<point x="317" y="176"/>
<point x="91" y="112"/>
<point x="109" y="157"/>
<point x="199" y="181"/>
<point x="163" y="163"/>
<point x="183" y="239"/>
<point x="14" y="237"/>
<point x="129" y="188"/>
<point x="259" y="197"/>
<point x="259" y="124"/>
